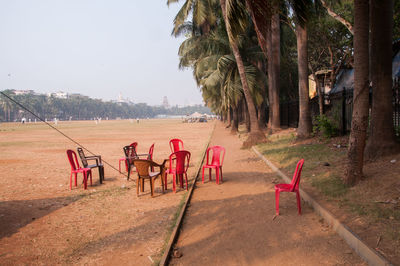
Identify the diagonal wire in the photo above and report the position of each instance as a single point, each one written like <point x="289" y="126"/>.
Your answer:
<point x="56" y="129"/>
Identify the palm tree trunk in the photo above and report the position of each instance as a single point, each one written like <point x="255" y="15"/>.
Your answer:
<point x="261" y="115"/>
<point x="229" y="117"/>
<point x="381" y="139"/>
<point x="304" y="129"/>
<point x="247" y="116"/>
<point x="270" y="75"/>
<point x="235" y="122"/>
<point x="275" y="67"/>
<point x="359" y="123"/>
<point x="256" y="135"/>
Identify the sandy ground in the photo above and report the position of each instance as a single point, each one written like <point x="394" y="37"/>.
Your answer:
<point x="233" y="223"/>
<point x="42" y="222"/>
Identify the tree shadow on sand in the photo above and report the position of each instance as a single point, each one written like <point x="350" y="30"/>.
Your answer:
<point x="16" y="214"/>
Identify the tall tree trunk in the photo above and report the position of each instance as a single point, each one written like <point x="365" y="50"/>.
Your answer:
<point x="229" y="117"/>
<point x="256" y="135"/>
<point x="276" y="64"/>
<point x="247" y="116"/>
<point x="381" y="139"/>
<point x="359" y="123"/>
<point x="304" y="129"/>
<point x="261" y="115"/>
<point x="235" y="122"/>
<point x="270" y="74"/>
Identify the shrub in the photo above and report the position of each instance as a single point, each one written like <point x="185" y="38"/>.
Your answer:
<point x="325" y="126"/>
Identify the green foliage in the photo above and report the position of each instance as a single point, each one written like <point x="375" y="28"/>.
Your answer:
<point x="325" y="126"/>
<point x="396" y="20"/>
<point x="79" y="107"/>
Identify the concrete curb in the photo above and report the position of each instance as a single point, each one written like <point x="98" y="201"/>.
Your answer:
<point x="364" y="251"/>
<point x="175" y="232"/>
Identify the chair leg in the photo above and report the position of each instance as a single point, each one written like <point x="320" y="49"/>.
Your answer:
<point x="70" y="181"/>
<point x="202" y="176"/>
<point x="165" y="180"/>
<point x="85" y="180"/>
<point x="151" y="186"/>
<point x="137" y="186"/>
<point x="187" y="187"/>
<point x="173" y="183"/>
<point x="209" y="174"/>
<point x="100" y="174"/>
<point x="142" y="184"/>
<point x="217" y="175"/>
<point x="90" y="174"/>
<point x="220" y="173"/>
<point x="298" y="201"/>
<point x="127" y="165"/>
<point x="181" y="179"/>
<point x="162" y="183"/>
<point x="76" y="178"/>
<point x="277" y="201"/>
<point x="129" y="171"/>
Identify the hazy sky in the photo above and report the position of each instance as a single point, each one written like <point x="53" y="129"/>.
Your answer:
<point x="98" y="48"/>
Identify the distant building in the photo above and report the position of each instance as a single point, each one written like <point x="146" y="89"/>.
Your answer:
<point x="23" y="92"/>
<point x="59" y="94"/>
<point x="165" y="102"/>
<point x="324" y="81"/>
<point x="121" y="100"/>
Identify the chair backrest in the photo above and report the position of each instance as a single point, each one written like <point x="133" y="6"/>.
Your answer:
<point x="134" y="144"/>
<point x="73" y="160"/>
<point x="176" y="145"/>
<point x="218" y="154"/>
<point x="151" y="150"/>
<point x="142" y="167"/>
<point x="82" y="156"/>
<point x="179" y="161"/>
<point x="296" y="176"/>
<point x="130" y="153"/>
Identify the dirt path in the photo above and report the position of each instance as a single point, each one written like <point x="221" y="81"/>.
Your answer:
<point x="232" y="224"/>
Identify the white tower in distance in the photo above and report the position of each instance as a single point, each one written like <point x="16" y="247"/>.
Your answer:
<point x="165" y="102"/>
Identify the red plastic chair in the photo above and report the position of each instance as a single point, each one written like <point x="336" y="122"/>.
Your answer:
<point x="292" y="187"/>
<point x="178" y="165"/>
<point x="134" y="144"/>
<point x="176" y="145"/>
<point x="151" y="150"/>
<point x="218" y="154"/>
<point x="75" y="169"/>
<point x="150" y="156"/>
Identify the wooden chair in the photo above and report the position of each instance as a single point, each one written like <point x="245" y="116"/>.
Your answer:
<point x="143" y="170"/>
<point x="98" y="164"/>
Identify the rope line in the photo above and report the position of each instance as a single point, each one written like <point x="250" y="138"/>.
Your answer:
<point x="56" y="129"/>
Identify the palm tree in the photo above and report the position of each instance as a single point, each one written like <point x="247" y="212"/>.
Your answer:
<point x="381" y="139"/>
<point x="255" y="135"/>
<point x="359" y="123"/>
<point x="215" y="69"/>
<point x="203" y="14"/>
<point x="265" y="18"/>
